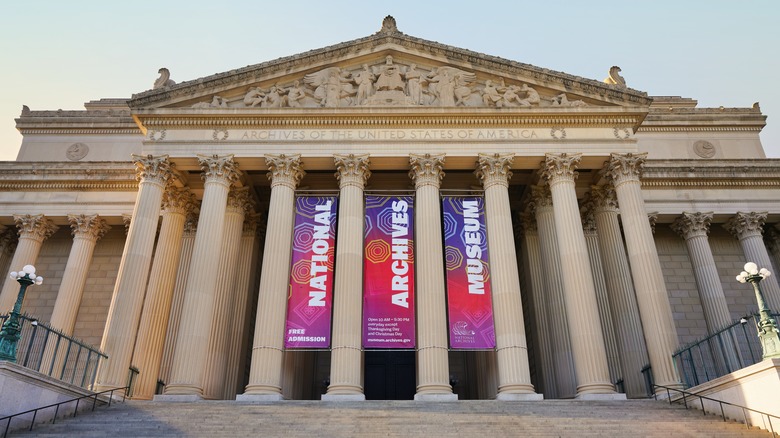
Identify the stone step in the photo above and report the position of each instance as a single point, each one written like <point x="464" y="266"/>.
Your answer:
<point x="549" y="418"/>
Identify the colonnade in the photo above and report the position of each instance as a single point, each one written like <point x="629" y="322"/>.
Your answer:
<point x="604" y="312"/>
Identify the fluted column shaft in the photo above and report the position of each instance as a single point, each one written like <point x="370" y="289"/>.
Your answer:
<point x="127" y="300"/>
<point x="198" y="309"/>
<point x="565" y="379"/>
<point x="159" y="293"/>
<point x="532" y="261"/>
<point x="225" y="296"/>
<point x="652" y="299"/>
<point x="620" y="290"/>
<point x="433" y="375"/>
<point x="590" y="356"/>
<point x="172" y="332"/>
<point x="748" y="228"/>
<point x="33" y="230"/>
<point x="346" y="366"/>
<point x="514" y="375"/>
<point x="265" y="375"/>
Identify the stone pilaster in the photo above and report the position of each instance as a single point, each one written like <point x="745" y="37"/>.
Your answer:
<point x="599" y="282"/>
<point x="748" y="228"/>
<point x="177" y="204"/>
<point x="127" y="300"/>
<point x="620" y="290"/>
<point x="624" y="171"/>
<point x="532" y="264"/>
<point x="541" y="204"/>
<point x="511" y="348"/>
<point x="588" y="350"/>
<point x="346" y="369"/>
<point x="219" y="173"/>
<point x="433" y="377"/>
<point x="33" y="230"/>
<point x="265" y="375"/>
<point x="172" y="332"/>
<point x="239" y="203"/>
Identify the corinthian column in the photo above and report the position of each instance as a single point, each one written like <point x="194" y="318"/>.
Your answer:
<point x="590" y="356"/>
<point x="624" y="171"/>
<point x="620" y="290"/>
<point x="346" y="364"/>
<point x="239" y="202"/>
<point x="189" y="357"/>
<point x="33" y="230"/>
<point x="514" y="376"/>
<point x="126" y="302"/>
<point x="433" y="374"/>
<point x="8" y="241"/>
<point x="177" y="203"/>
<point x="265" y="375"/>
<point x="747" y="227"/>
<point x="566" y="382"/>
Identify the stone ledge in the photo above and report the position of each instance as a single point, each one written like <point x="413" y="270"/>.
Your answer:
<point x="258" y="398"/>
<point x="616" y="396"/>
<point x="184" y="398"/>
<point x="436" y="397"/>
<point x="520" y="397"/>
<point x="343" y="397"/>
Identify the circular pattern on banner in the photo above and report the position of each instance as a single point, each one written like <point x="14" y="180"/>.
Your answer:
<point x="450" y="225"/>
<point x="453" y="257"/>
<point x="377" y="251"/>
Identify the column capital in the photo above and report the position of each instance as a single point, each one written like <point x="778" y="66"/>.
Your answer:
<point x="36" y="226"/>
<point x="251" y="224"/>
<point x="560" y="167"/>
<point x="91" y="227"/>
<point x="527" y="222"/>
<point x="127" y="218"/>
<point x="692" y="224"/>
<point x="652" y="217"/>
<point x="540" y="198"/>
<point x="352" y="170"/>
<point x="588" y="215"/>
<point x="743" y="225"/>
<point x="8" y="241"/>
<point x="153" y="169"/>
<point x="178" y="200"/>
<point x="191" y="224"/>
<point x="494" y="169"/>
<point x="604" y="199"/>
<point x="286" y="170"/>
<point x="426" y="169"/>
<point x="624" y="167"/>
<point x="219" y="168"/>
<point x="239" y="200"/>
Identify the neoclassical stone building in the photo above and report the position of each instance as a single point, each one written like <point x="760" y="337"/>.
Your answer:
<point x="167" y="226"/>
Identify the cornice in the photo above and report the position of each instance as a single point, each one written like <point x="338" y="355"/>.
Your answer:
<point x="756" y="173"/>
<point x="45" y="176"/>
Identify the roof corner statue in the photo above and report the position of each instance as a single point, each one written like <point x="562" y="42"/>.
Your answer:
<point x="388" y="25"/>
<point x="164" y="80"/>
<point x="614" y="77"/>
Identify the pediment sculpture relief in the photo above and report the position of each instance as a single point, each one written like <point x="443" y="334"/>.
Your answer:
<point x="392" y="84"/>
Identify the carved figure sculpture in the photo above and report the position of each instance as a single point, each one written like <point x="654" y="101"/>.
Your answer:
<point x="216" y="102"/>
<point x="490" y="94"/>
<point x="274" y="98"/>
<point x="365" y="83"/>
<point x="447" y="80"/>
<point x="254" y="97"/>
<point x="614" y="77"/>
<point x="164" y="80"/>
<point x="562" y="100"/>
<point x="330" y="85"/>
<point x="295" y="95"/>
<point x="390" y="79"/>
<point x="414" y="85"/>
<point x="531" y="96"/>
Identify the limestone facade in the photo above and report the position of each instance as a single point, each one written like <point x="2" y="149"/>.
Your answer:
<point x="577" y="307"/>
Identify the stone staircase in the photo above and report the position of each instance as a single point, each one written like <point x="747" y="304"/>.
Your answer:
<point x="310" y="419"/>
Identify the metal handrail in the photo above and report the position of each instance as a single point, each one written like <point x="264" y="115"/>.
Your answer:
<point x="57" y="407"/>
<point x="720" y="402"/>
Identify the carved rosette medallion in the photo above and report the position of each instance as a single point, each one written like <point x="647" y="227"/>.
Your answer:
<point x="239" y="200"/>
<point x="621" y="133"/>
<point x="560" y="168"/>
<point x="604" y="199"/>
<point x="178" y="201"/>
<point x="219" y="169"/>
<point x="622" y="168"/>
<point x="285" y="170"/>
<point x="690" y="225"/>
<point x="352" y="170"/>
<point x="76" y="151"/>
<point x="558" y="133"/>
<point x="37" y="227"/>
<point x="704" y="149"/>
<point x="427" y="170"/>
<point x="494" y="169"/>
<point x="743" y="225"/>
<point x="156" y="170"/>
<point x="220" y="134"/>
<point x="156" y="135"/>
<point x="541" y="198"/>
<point x="89" y="227"/>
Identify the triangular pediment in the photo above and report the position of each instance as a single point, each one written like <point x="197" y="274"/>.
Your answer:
<point x="387" y="69"/>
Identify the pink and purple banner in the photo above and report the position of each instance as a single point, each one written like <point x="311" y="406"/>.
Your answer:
<point x="388" y="285"/>
<point x="310" y="295"/>
<point x="469" y="304"/>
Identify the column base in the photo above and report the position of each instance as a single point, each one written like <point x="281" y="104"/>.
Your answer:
<point x="343" y="397"/>
<point x="183" y="398"/>
<point x="520" y="397"/>
<point x="616" y="396"/>
<point x="254" y="398"/>
<point x="436" y="397"/>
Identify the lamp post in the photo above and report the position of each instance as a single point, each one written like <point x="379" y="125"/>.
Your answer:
<point x="767" y="327"/>
<point x="11" y="331"/>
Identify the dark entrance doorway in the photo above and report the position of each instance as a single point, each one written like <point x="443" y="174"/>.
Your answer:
<point x="390" y="375"/>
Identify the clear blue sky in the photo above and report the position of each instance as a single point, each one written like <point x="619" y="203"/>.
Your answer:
<point x="60" y="54"/>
